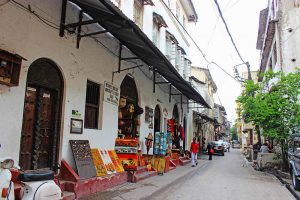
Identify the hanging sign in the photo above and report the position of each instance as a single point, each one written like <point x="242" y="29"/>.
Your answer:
<point x="111" y="93"/>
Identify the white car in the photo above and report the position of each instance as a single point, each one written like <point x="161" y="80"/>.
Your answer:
<point x="226" y="146"/>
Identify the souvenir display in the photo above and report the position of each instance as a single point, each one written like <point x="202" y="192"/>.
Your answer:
<point x="108" y="163"/>
<point x="148" y="142"/>
<point x="98" y="162"/>
<point x="116" y="161"/>
<point x="122" y="102"/>
<point x="127" y="150"/>
<point x="160" y="143"/>
<point x="129" y="161"/>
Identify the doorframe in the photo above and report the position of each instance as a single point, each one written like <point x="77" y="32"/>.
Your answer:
<point x="60" y="109"/>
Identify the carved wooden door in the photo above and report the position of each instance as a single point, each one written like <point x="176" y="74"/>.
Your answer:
<point x="28" y="128"/>
<point x="38" y="141"/>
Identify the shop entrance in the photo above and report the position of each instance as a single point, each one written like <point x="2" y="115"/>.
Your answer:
<point x="128" y="109"/>
<point x="176" y="140"/>
<point x="157" y="119"/>
<point x="41" y="116"/>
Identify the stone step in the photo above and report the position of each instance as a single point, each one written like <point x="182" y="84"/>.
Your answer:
<point x="184" y="161"/>
<point x="144" y="175"/>
<point x="141" y="169"/>
<point x="172" y="168"/>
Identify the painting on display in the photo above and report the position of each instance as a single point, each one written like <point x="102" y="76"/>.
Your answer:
<point x="98" y="162"/>
<point x="116" y="161"/>
<point x="107" y="161"/>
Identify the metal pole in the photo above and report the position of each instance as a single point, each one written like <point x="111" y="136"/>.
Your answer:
<point x="63" y="18"/>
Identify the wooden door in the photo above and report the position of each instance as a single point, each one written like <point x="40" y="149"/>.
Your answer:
<point x="28" y="128"/>
<point x="38" y="138"/>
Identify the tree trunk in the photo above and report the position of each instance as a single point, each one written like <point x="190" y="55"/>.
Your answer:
<point x="258" y="134"/>
<point x="284" y="156"/>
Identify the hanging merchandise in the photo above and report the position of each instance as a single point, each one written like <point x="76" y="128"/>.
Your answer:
<point x="181" y="131"/>
<point x="130" y="108"/>
<point x="122" y="102"/>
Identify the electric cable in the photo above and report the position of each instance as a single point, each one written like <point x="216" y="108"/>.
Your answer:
<point x="44" y="20"/>
<point x="227" y="29"/>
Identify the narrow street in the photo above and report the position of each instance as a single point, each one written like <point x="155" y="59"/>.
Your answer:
<point x="223" y="178"/>
<point x="227" y="178"/>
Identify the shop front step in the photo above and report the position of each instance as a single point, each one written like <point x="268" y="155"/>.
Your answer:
<point x="184" y="161"/>
<point x="141" y="169"/>
<point x="69" y="195"/>
<point x="172" y="168"/>
<point x="142" y="176"/>
<point x="175" y="161"/>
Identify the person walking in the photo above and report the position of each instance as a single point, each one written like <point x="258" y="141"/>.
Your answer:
<point x="194" y="150"/>
<point x="209" y="149"/>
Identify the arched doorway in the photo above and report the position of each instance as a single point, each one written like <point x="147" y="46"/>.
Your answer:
<point x="184" y="128"/>
<point x="176" y="140"/>
<point x="41" y="116"/>
<point x="129" y="110"/>
<point x="157" y="119"/>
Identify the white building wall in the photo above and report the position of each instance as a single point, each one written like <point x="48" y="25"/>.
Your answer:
<point x="32" y="39"/>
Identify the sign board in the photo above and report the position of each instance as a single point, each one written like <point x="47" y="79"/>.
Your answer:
<point x="149" y="116"/>
<point x="111" y="93"/>
<point x="83" y="158"/>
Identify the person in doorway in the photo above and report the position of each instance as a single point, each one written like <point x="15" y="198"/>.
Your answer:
<point x="194" y="150"/>
<point x="209" y="148"/>
<point x="264" y="148"/>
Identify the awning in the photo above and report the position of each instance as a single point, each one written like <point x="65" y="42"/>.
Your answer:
<point x="159" y="20"/>
<point x="203" y="117"/>
<point x="130" y="35"/>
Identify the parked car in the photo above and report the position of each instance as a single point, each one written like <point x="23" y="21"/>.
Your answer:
<point x="218" y="148"/>
<point x="226" y="146"/>
<point x="294" y="160"/>
<point x="236" y="144"/>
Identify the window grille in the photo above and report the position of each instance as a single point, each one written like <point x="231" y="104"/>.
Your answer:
<point x="92" y="105"/>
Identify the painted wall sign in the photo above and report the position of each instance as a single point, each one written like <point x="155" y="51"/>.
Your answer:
<point x="111" y="93"/>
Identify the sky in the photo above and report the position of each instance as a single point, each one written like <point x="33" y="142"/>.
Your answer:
<point x="242" y="17"/>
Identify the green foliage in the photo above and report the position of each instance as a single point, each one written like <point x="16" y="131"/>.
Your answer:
<point x="273" y="105"/>
<point x="233" y="131"/>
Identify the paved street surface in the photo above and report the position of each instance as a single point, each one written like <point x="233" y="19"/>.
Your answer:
<point x="222" y="178"/>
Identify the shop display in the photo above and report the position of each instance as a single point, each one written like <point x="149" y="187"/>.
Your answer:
<point x="98" y="162"/>
<point x="116" y="161"/>
<point x="148" y="142"/>
<point x="127" y="150"/>
<point x="83" y="158"/>
<point x="129" y="161"/>
<point x="107" y="161"/>
<point x="160" y="143"/>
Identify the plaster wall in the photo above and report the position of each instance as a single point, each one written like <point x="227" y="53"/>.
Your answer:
<point x="29" y="37"/>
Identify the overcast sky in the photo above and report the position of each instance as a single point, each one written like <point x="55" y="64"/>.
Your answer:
<point x="242" y="17"/>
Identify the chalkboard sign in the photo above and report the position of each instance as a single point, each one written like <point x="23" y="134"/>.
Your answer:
<point x="83" y="158"/>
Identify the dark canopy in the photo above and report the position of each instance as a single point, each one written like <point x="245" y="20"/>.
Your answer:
<point x="130" y="35"/>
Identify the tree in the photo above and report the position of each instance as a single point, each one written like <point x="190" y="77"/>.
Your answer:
<point x="273" y="105"/>
<point x="233" y="131"/>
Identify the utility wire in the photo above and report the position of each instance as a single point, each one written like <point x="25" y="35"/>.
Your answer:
<point x="227" y="29"/>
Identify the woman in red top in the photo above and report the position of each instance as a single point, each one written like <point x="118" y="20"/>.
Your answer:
<point x="194" y="150"/>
